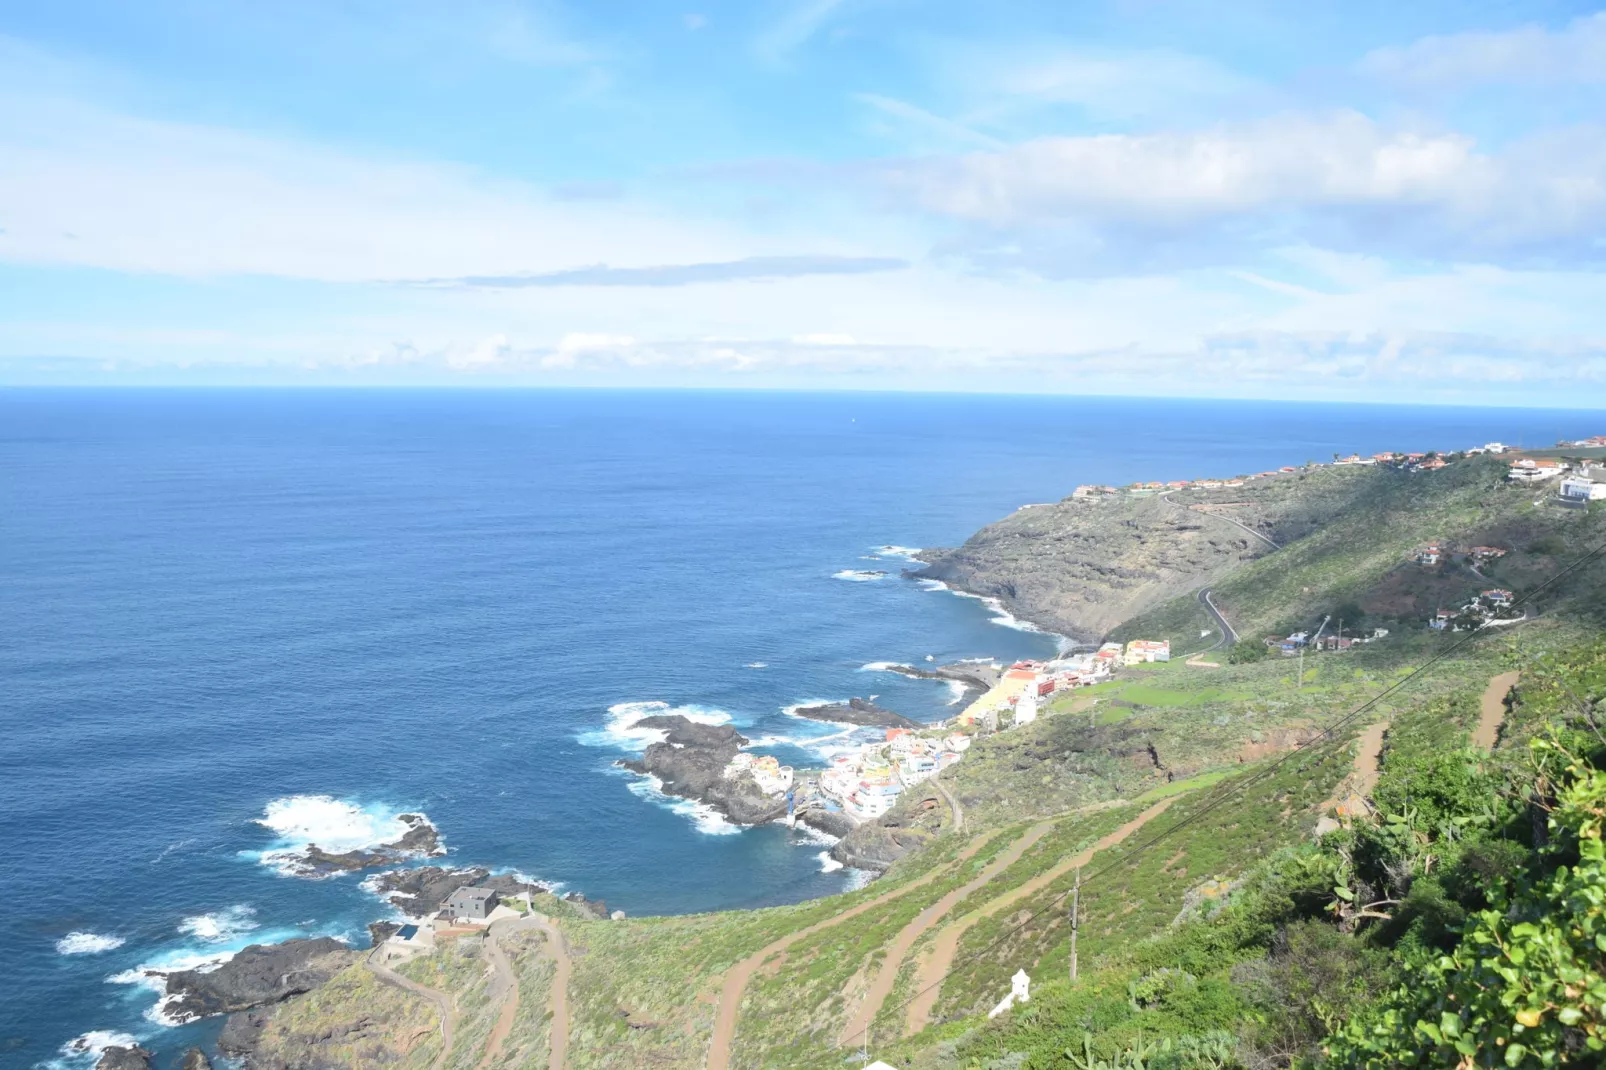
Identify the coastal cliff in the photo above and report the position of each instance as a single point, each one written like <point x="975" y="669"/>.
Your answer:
<point x="1082" y="566"/>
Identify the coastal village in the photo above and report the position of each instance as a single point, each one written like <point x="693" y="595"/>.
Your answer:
<point x="866" y="782"/>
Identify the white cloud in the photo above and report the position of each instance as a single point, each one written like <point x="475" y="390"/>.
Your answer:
<point x="1172" y="200"/>
<point x="802" y="20"/>
<point x="1343" y="158"/>
<point x="922" y="129"/>
<point x="1107" y="86"/>
<point x="1531" y="55"/>
<point x="486" y="353"/>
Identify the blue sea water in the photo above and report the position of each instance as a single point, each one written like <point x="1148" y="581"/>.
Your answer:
<point x="222" y="611"/>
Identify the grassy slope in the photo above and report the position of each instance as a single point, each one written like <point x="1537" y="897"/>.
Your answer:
<point x="644" y="990"/>
<point x="1362" y="552"/>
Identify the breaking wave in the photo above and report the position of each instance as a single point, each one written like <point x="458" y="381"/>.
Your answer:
<point x="859" y="575"/>
<point x="621" y="731"/>
<point x="706" y="819"/>
<point x="222" y="926"/>
<point x="299" y="822"/>
<point x="82" y="943"/>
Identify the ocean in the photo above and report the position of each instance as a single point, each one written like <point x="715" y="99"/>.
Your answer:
<point x="234" y="622"/>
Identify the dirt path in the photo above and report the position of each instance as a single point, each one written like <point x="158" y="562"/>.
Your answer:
<point x="881" y="987"/>
<point x="953" y="805"/>
<point x="1368" y="766"/>
<point x="934" y="967"/>
<point x="444" y="1005"/>
<point x="1492" y="711"/>
<point x="505" y="987"/>
<point x="736" y="978"/>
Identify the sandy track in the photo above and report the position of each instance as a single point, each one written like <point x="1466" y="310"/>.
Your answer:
<point x="736" y="978"/>
<point x="934" y="967"/>
<point x="881" y="987"/>
<point x="444" y="1005"/>
<point x="1492" y="710"/>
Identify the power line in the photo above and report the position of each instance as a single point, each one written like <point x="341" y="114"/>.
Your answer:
<point x="1238" y="786"/>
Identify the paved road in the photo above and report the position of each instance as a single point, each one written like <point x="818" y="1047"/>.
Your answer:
<point x="1166" y="497"/>
<point x="1228" y="636"/>
<point x="443" y="1003"/>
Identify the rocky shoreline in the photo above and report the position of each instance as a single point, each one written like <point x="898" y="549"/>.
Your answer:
<point x="421" y="840"/>
<point x="690" y="763"/>
<point x="857" y="711"/>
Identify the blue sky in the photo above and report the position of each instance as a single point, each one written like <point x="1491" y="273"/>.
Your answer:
<point x="1358" y="201"/>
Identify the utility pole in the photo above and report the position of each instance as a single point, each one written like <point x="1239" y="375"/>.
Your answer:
<point x="1076" y="918"/>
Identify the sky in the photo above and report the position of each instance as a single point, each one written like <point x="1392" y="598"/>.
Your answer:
<point x="1235" y="198"/>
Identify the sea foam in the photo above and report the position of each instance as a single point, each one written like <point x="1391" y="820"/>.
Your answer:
<point x="827" y="863"/>
<point x="84" y="943"/>
<point x="85" y="1050"/>
<point x="706" y="819"/>
<point x="908" y="553"/>
<point x="222" y="926"/>
<point x="859" y="575"/>
<point x="621" y="731"/>
<point x="335" y="825"/>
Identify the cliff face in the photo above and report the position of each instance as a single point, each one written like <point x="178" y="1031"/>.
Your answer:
<point x="1081" y="567"/>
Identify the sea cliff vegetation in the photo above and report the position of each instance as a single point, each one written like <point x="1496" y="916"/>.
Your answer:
<point x="1335" y="861"/>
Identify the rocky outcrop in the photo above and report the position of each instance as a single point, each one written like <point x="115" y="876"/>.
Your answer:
<point x="977" y="675"/>
<point x="691" y="761"/>
<point x="258" y="975"/>
<point x="135" y="1058"/>
<point x="830" y="822"/>
<point x="419" y="892"/>
<point x="875" y="845"/>
<point x="195" y="1059"/>
<point x="596" y="908"/>
<point x="857" y="711"/>
<point x="421" y="840"/>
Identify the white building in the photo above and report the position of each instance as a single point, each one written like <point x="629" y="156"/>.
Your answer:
<point x="1026" y="707"/>
<point x="1141" y="651"/>
<point x="1582" y="489"/>
<point x="871" y="799"/>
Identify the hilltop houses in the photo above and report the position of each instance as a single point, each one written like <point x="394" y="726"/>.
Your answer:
<point x="1581" y="489"/>
<point x="1143" y="651"/>
<point x="1530" y="470"/>
<point x="1430" y="555"/>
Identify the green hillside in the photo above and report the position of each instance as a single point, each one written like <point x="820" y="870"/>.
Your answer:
<point x="1268" y="880"/>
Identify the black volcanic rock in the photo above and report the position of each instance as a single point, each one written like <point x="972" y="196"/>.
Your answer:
<point x="421" y="840"/>
<point x="135" y="1058"/>
<point x="260" y="974"/>
<point x="420" y="891"/>
<point x="857" y="711"/>
<point x="979" y="675"/>
<point x="691" y="762"/>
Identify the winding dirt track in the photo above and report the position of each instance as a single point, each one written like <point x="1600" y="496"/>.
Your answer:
<point x="934" y="967"/>
<point x="505" y="987"/>
<point x="1492" y="711"/>
<point x="444" y="1004"/>
<point x="736" y="978"/>
<point x="881" y="987"/>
